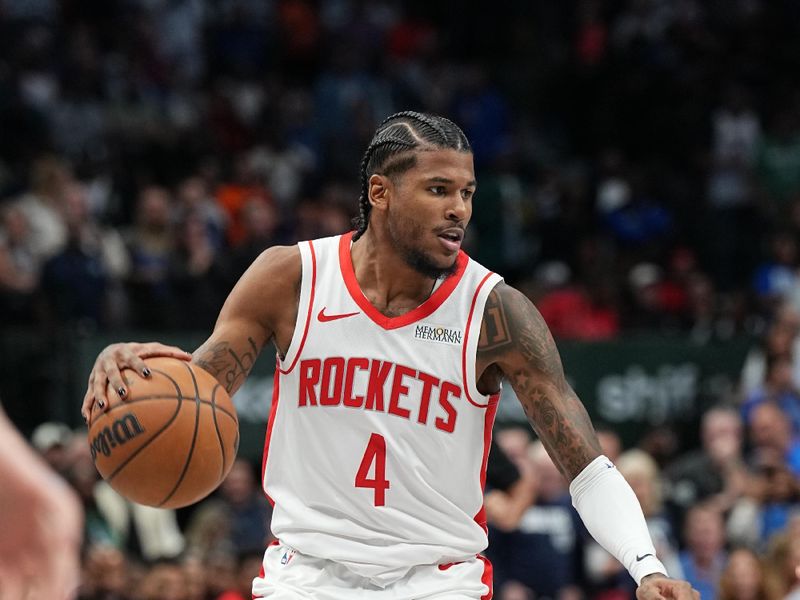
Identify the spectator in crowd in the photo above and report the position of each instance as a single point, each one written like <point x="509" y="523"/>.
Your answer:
<point x="20" y="268"/>
<point x="193" y="198"/>
<point x="244" y="186"/>
<point x="262" y="229"/>
<point x="42" y="205"/>
<point x="164" y="581"/>
<point x="778" y="388"/>
<point x="106" y="575"/>
<point x="715" y="473"/>
<point x="765" y="508"/>
<point x="771" y="437"/>
<point x="743" y="577"/>
<point x="704" y="556"/>
<point x="776" y="276"/>
<point x="541" y="554"/>
<point x="197" y="275"/>
<point x="735" y="138"/>
<point x="781" y="560"/>
<point x="52" y="441"/>
<point x="236" y="520"/>
<point x="142" y="532"/>
<point x="150" y="244"/>
<point x="782" y="337"/>
<point x="83" y="278"/>
<point x="509" y="490"/>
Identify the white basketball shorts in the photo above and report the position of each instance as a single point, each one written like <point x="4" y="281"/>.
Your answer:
<point x="289" y="575"/>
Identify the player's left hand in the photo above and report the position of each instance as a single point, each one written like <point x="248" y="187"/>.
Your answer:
<point x="660" y="587"/>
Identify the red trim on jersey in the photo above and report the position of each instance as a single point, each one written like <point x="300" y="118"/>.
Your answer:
<point x="464" y="346"/>
<point x="487" y="577"/>
<point x="276" y="384"/>
<point x="425" y="309"/>
<point x="261" y="575"/>
<point x="310" y="307"/>
<point x="488" y="422"/>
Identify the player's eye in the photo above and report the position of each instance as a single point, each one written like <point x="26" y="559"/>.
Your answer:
<point x="438" y="190"/>
<point x="467" y="194"/>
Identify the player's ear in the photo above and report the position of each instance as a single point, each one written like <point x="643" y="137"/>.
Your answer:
<point x="379" y="190"/>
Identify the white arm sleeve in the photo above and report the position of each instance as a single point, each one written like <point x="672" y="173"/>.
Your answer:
<point x="613" y="516"/>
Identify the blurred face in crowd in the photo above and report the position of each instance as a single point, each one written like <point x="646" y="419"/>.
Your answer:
<point x="194" y="575"/>
<point x="551" y="484"/>
<point x="769" y="427"/>
<point x="722" y="435"/>
<point x="192" y="192"/>
<point x="15" y="225"/>
<point x="610" y="444"/>
<point x="704" y="533"/>
<point x="743" y="576"/>
<point x="514" y="442"/>
<point x="239" y="485"/>
<point x="154" y="208"/>
<point x="260" y="218"/>
<point x="75" y="202"/>
<point x="779" y="376"/>
<point x="106" y="570"/>
<point x="164" y="582"/>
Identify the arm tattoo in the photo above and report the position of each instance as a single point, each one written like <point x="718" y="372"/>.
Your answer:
<point x="515" y="337"/>
<point x="228" y="366"/>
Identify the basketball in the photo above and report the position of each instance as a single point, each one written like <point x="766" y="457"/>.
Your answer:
<point x="171" y="441"/>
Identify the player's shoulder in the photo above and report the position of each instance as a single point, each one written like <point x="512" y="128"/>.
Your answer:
<point x="276" y="271"/>
<point x="508" y="297"/>
<point x="279" y="259"/>
<point x="507" y="314"/>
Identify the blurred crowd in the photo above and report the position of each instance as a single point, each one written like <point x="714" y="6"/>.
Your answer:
<point x="639" y="171"/>
<point x="725" y="516"/>
<point x="638" y="160"/>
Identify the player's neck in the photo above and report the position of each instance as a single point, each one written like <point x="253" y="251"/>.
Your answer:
<point x="384" y="276"/>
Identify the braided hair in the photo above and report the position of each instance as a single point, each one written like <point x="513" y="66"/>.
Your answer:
<point x="392" y="151"/>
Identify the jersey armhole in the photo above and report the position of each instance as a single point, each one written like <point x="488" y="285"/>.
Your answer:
<point x="469" y="351"/>
<point x="308" y="280"/>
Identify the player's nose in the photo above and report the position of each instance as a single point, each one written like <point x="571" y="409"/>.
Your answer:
<point x="457" y="209"/>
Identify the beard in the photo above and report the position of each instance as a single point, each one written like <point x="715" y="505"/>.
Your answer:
<point x="403" y="234"/>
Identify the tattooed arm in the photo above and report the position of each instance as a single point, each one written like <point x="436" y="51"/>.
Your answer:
<point x="262" y="307"/>
<point x="516" y="343"/>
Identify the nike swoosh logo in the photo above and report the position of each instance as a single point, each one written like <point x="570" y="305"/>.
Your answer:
<point x="638" y="558"/>
<point x="323" y="318"/>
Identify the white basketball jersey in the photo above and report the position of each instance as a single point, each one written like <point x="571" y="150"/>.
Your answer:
<point x="377" y="442"/>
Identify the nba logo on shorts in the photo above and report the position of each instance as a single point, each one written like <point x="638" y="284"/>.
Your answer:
<point x="287" y="556"/>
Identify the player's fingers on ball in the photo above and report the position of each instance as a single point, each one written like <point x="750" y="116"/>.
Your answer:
<point x="88" y="400"/>
<point x="98" y="394"/>
<point x="114" y="376"/>
<point x="138" y="365"/>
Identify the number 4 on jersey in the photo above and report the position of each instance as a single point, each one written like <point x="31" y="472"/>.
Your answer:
<point x="374" y="454"/>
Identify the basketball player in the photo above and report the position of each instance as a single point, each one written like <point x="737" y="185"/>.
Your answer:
<point x="391" y="347"/>
<point x="40" y="525"/>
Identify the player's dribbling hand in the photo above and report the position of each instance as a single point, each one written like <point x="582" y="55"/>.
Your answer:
<point x="114" y="358"/>
<point x="660" y="587"/>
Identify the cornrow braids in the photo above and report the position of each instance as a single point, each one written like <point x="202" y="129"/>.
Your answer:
<point x="392" y="149"/>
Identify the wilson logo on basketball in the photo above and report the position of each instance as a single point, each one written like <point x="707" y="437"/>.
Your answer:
<point x="118" y="433"/>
